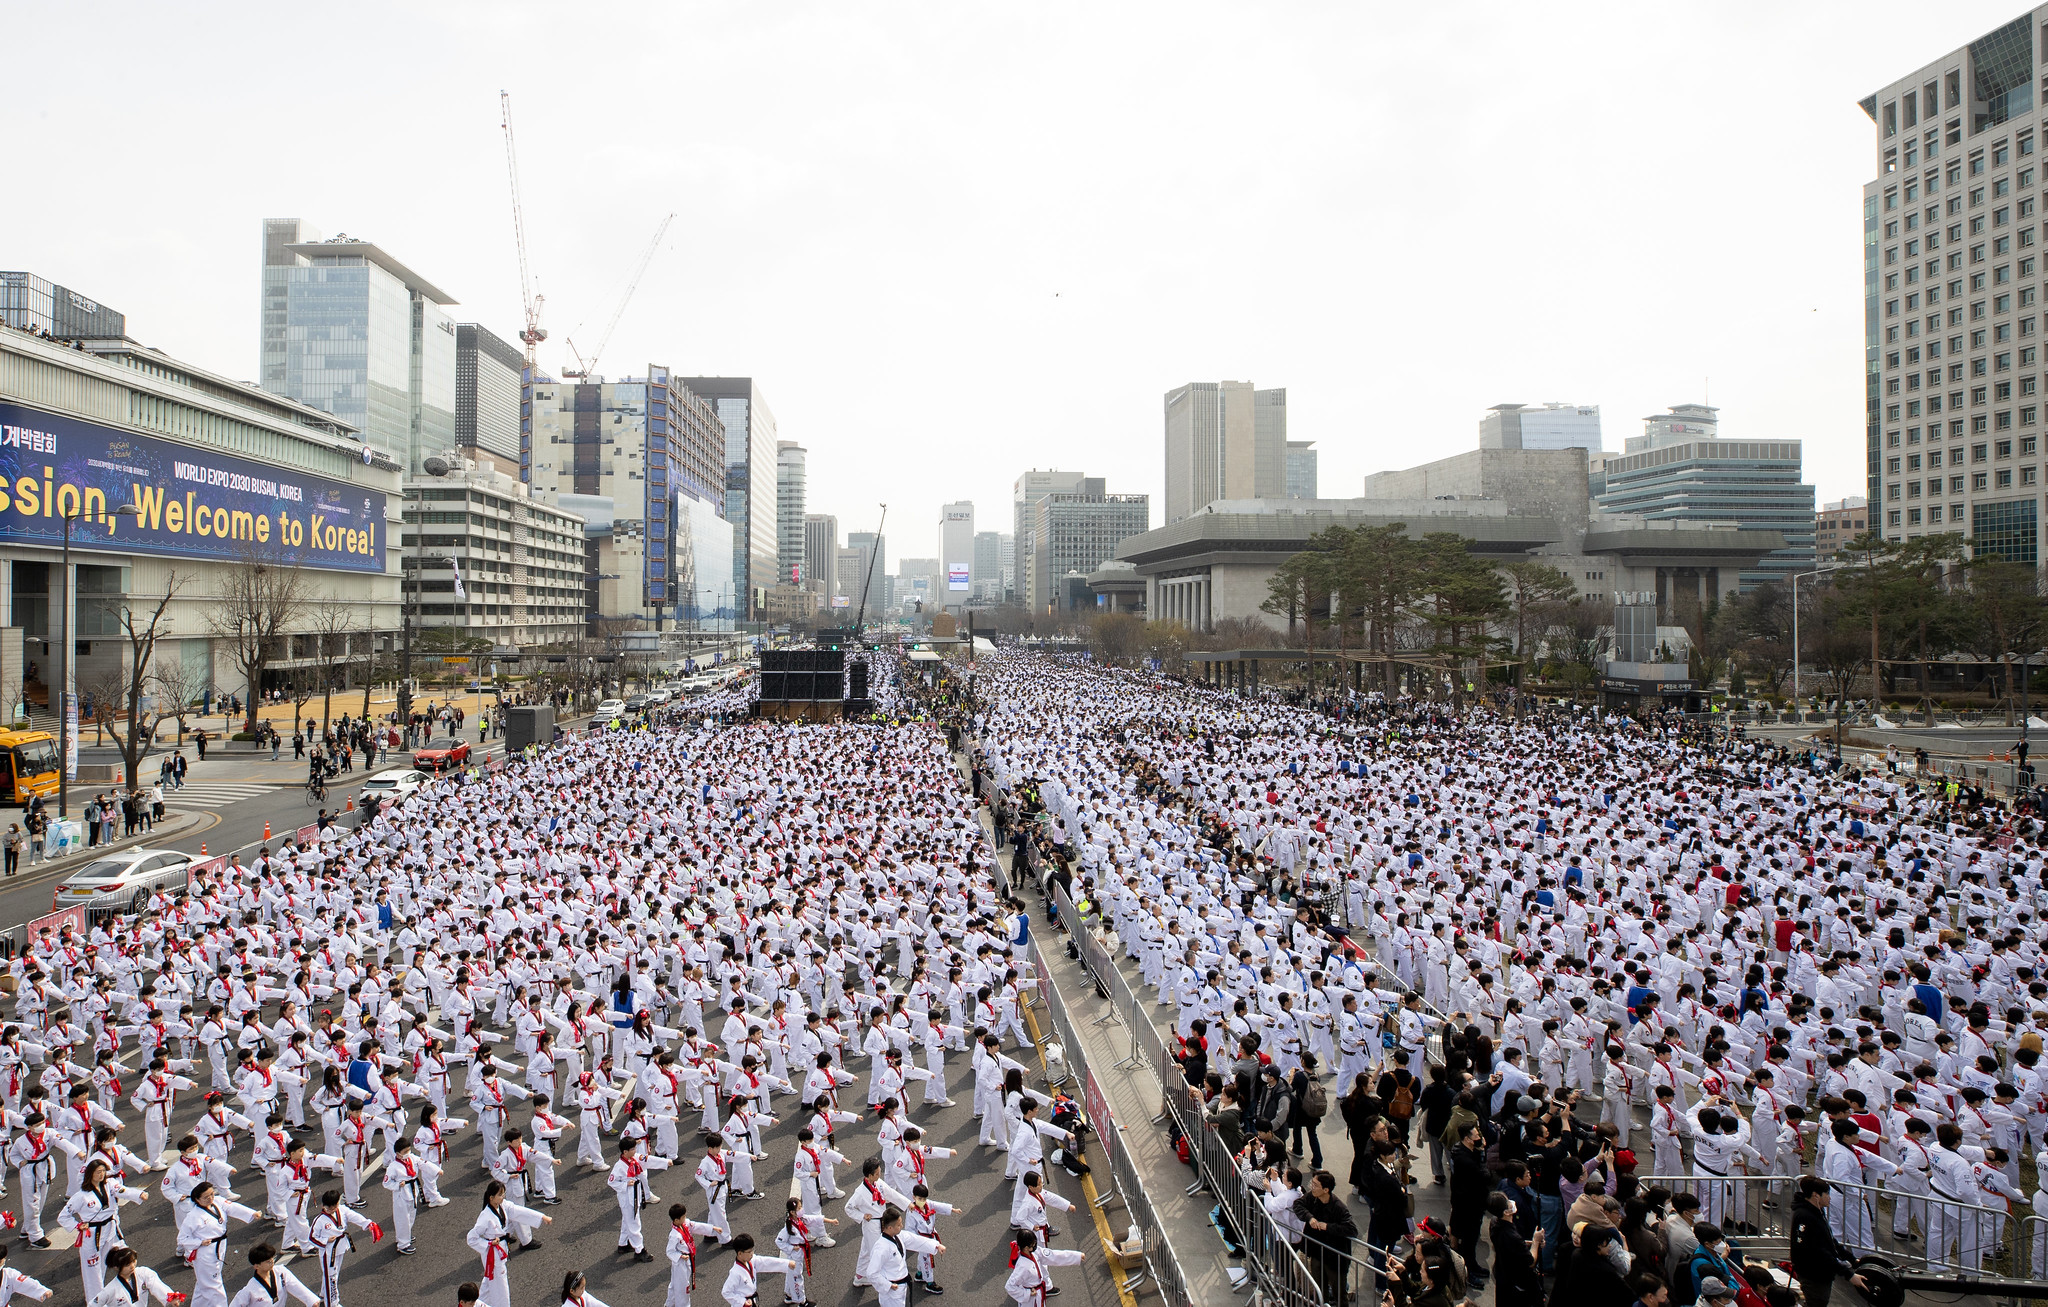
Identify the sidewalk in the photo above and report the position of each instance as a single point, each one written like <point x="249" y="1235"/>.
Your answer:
<point x="174" y="826"/>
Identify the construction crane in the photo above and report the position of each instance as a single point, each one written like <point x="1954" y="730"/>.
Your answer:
<point x="533" y="334"/>
<point x="585" y="368"/>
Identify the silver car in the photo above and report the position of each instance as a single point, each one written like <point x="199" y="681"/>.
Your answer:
<point x="124" y="881"/>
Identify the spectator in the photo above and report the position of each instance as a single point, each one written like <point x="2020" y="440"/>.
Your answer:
<point x="1327" y="1232"/>
<point x="1471" y="1184"/>
<point x="1515" y="1279"/>
<point x="16" y="841"/>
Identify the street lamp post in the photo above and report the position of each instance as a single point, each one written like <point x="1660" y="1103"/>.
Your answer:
<point x="1796" y="650"/>
<point x="64" y="652"/>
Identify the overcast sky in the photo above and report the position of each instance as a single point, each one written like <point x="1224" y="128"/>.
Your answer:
<point x="956" y="241"/>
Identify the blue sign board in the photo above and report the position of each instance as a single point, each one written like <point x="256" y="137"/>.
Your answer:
<point x="195" y="503"/>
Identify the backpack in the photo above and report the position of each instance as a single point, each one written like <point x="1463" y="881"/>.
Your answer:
<point x="1315" y="1104"/>
<point x="1402" y="1105"/>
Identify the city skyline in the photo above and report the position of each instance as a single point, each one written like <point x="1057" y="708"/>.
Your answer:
<point x="747" y="284"/>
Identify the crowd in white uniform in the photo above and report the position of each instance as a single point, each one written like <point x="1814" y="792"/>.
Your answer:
<point x="676" y="936"/>
<point x="1747" y="951"/>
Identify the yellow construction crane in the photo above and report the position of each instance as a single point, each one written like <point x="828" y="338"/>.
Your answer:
<point x="586" y="368"/>
<point x="533" y="334"/>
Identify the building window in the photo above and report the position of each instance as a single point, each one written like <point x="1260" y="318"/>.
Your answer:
<point x="1892" y="517"/>
<point x="2003" y="478"/>
<point x="2006" y="530"/>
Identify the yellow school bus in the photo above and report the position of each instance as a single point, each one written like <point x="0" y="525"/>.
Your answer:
<point x="28" y="766"/>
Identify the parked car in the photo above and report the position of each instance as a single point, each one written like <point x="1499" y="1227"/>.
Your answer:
<point x="435" y="755"/>
<point x="636" y="702"/>
<point x="123" y="880"/>
<point x="390" y="786"/>
<point x="659" y="697"/>
<point x="610" y="709"/>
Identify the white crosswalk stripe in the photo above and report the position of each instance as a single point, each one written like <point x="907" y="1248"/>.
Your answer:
<point x="215" y="794"/>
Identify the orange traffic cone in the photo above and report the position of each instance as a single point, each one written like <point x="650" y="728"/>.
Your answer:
<point x="351" y="806"/>
<point x="202" y="848"/>
<point x="266" y="830"/>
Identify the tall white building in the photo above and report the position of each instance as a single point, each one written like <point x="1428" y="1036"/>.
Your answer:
<point x="1224" y="440"/>
<point x="956" y="552"/>
<point x="1541" y="426"/>
<point x="1031" y="487"/>
<point x="750" y="484"/>
<point x="1952" y="281"/>
<point x="789" y="514"/>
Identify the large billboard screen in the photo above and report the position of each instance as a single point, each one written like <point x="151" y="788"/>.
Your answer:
<point x="956" y="576"/>
<point x="195" y="503"/>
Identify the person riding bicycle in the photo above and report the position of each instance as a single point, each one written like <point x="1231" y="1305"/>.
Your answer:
<point x="317" y="777"/>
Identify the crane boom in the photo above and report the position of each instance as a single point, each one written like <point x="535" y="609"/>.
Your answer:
<point x="585" y="367"/>
<point x="533" y="334"/>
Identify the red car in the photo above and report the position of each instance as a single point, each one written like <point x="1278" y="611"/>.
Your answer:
<point x="436" y="755"/>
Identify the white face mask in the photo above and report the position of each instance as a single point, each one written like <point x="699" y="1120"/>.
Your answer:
<point x="1721" y="1248"/>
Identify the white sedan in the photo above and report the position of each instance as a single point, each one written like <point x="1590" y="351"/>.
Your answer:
<point x="391" y="786"/>
<point x="611" y="709"/>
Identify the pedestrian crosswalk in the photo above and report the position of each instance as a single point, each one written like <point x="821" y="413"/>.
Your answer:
<point x="215" y="794"/>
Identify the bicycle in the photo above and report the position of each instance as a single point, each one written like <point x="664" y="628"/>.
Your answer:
<point x="316" y="792"/>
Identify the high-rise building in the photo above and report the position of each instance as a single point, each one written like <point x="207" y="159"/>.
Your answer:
<point x="821" y="554"/>
<point x="1680" y="470"/>
<point x="639" y="458"/>
<point x="1541" y="426"/>
<point x="920" y="581"/>
<point x="988" y="567"/>
<point x="1075" y="533"/>
<point x="350" y="330"/>
<point x="1007" y="554"/>
<point x="1951" y="277"/>
<point x="789" y="514"/>
<point x="1224" y="440"/>
<point x="869" y="573"/>
<point x="956" y="553"/>
<point x="1031" y="487"/>
<point x="750" y="481"/>
<point x="487" y="396"/>
<point x="1301" y="469"/>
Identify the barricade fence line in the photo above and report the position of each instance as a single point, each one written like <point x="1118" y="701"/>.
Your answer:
<point x="1268" y="1255"/>
<point x="1940" y="1234"/>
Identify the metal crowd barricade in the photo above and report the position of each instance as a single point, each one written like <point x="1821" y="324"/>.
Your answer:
<point x="1158" y="1259"/>
<point x="1941" y="1233"/>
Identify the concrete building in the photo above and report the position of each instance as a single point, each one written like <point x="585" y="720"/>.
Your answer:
<point x="1678" y="470"/>
<point x="30" y="303"/>
<point x="1301" y="469"/>
<point x="988" y="567"/>
<point x="1031" y="487"/>
<point x="1073" y="534"/>
<point x="1006" y="552"/>
<point x="1951" y="274"/>
<point x="919" y="581"/>
<point x="1224" y="440"/>
<point x="350" y="330"/>
<point x="956" y="553"/>
<point x="1541" y="426"/>
<point x="867" y="573"/>
<point x="228" y="476"/>
<point x="641" y="460"/>
<point x="789" y="514"/>
<point x="1508" y="504"/>
<point x="821" y="554"/>
<point x="1837" y="523"/>
<point x="750" y="482"/>
<point x="487" y="392"/>
<point x="489" y="557"/>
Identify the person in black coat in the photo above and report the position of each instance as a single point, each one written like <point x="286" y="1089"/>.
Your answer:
<point x="1515" y="1280"/>
<point x="1818" y="1258"/>
<point x="1595" y="1279"/>
<point x="1327" y="1231"/>
<point x="1471" y="1184"/>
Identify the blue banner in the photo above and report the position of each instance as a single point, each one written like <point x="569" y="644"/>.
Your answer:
<point x="195" y="503"/>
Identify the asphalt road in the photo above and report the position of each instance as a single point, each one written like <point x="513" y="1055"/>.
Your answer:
<point x="584" y="1235"/>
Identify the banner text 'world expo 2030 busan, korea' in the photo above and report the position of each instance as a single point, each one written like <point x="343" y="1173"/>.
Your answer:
<point x="195" y="503"/>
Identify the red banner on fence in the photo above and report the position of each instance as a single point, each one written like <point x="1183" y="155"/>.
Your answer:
<point x="55" y="922"/>
<point x="1096" y="1104"/>
<point x="205" y="869"/>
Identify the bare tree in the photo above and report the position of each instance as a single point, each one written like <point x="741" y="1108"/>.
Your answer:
<point x="143" y="626"/>
<point x="178" y="690"/>
<point x="258" y="599"/>
<point x="333" y="625"/>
